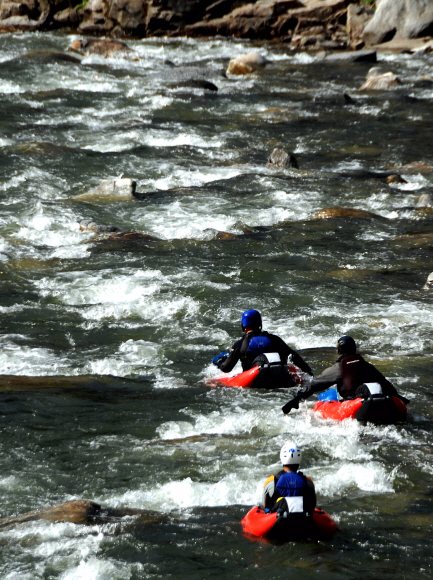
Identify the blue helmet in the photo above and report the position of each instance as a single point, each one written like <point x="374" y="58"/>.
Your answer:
<point x="251" y="318"/>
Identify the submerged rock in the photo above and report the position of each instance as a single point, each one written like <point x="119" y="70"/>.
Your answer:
<point x="280" y="159"/>
<point x="110" y="190"/>
<point x="247" y="64"/>
<point x="90" y="225"/>
<point x="194" y="84"/>
<point x="46" y="57"/>
<point x="80" y="512"/>
<point x="425" y="200"/>
<point x="381" y="82"/>
<point x="395" y="178"/>
<point x="333" y="212"/>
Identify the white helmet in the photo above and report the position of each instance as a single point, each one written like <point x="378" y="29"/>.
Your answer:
<point x="290" y="454"/>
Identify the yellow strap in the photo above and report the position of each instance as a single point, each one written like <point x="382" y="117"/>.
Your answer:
<point x="270" y="478"/>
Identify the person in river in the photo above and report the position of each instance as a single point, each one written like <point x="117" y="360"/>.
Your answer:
<point x="352" y="375"/>
<point x="256" y="348"/>
<point x="289" y="491"/>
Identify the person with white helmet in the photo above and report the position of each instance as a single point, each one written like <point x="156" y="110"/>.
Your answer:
<point x="252" y="349"/>
<point x="290" y="491"/>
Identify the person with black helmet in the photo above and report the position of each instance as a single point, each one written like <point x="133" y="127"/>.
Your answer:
<point x="252" y="349"/>
<point x="352" y="375"/>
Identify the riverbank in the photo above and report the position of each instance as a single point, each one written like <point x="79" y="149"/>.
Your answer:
<point x="301" y="24"/>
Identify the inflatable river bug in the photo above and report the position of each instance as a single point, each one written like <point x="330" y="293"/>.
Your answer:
<point x="270" y="375"/>
<point x="376" y="408"/>
<point x="288" y="527"/>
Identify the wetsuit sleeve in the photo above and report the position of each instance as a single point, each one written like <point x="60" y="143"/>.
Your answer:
<point x="296" y="358"/>
<point x="310" y="496"/>
<point x="230" y="362"/>
<point x="330" y="376"/>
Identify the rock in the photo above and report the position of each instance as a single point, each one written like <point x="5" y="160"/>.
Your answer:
<point x="333" y="212"/>
<point x="429" y="282"/>
<point x="46" y="57"/>
<point x="400" y="19"/>
<point x="23" y="15"/>
<point x="100" y="46"/>
<point x="130" y="236"/>
<point x="395" y="178"/>
<point x="94" y="18"/>
<point x="280" y="159"/>
<point x="381" y="82"/>
<point x="77" y="512"/>
<point x="110" y="190"/>
<point x="246" y="64"/>
<point x="129" y="15"/>
<point x="355" y="56"/>
<point x="425" y="200"/>
<point x="67" y="17"/>
<point x="357" y="18"/>
<point x="80" y="512"/>
<point x="416" y="166"/>
<point x="194" y="84"/>
<point x="89" y="225"/>
<point x="349" y="100"/>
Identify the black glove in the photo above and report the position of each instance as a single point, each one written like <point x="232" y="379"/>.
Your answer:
<point x="292" y="404"/>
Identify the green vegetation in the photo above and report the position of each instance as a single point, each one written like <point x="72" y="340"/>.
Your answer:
<point x="81" y="5"/>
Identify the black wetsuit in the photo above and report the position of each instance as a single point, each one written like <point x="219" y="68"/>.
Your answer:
<point x="349" y="374"/>
<point x="239" y="351"/>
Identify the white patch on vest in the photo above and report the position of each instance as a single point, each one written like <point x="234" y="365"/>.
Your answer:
<point x="295" y="504"/>
<point x="352" y="361"/>
<point x="374" y="388"/>
<point x="273" y="357"/>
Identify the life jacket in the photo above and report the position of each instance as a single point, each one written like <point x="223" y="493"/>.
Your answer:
<point x="254" y="348"/>
<point x="295" y="495"/>
<point x="352" y="371"/>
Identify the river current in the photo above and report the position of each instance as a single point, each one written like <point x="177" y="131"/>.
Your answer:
<point x="127" y="328"/>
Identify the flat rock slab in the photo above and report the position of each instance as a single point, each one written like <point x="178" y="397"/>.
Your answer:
<point x="353" y="56"/>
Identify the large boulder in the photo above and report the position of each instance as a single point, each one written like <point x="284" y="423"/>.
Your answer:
<point x="399" y="19"/>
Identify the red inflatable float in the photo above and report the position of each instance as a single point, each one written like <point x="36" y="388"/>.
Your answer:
<point x="293" y="527"/>
<point x="376" y="409"/>
<point x="265" y="377"/>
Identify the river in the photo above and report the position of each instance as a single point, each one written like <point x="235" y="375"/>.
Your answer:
<point x="134" y="324"/>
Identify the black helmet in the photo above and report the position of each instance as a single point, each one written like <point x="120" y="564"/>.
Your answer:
<point x="346" y="345"/>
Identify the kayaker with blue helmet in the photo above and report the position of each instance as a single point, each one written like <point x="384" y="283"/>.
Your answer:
<point x="352" y="376"/>
<point x="289" y="490"/>
<point x="252" y="348"/>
